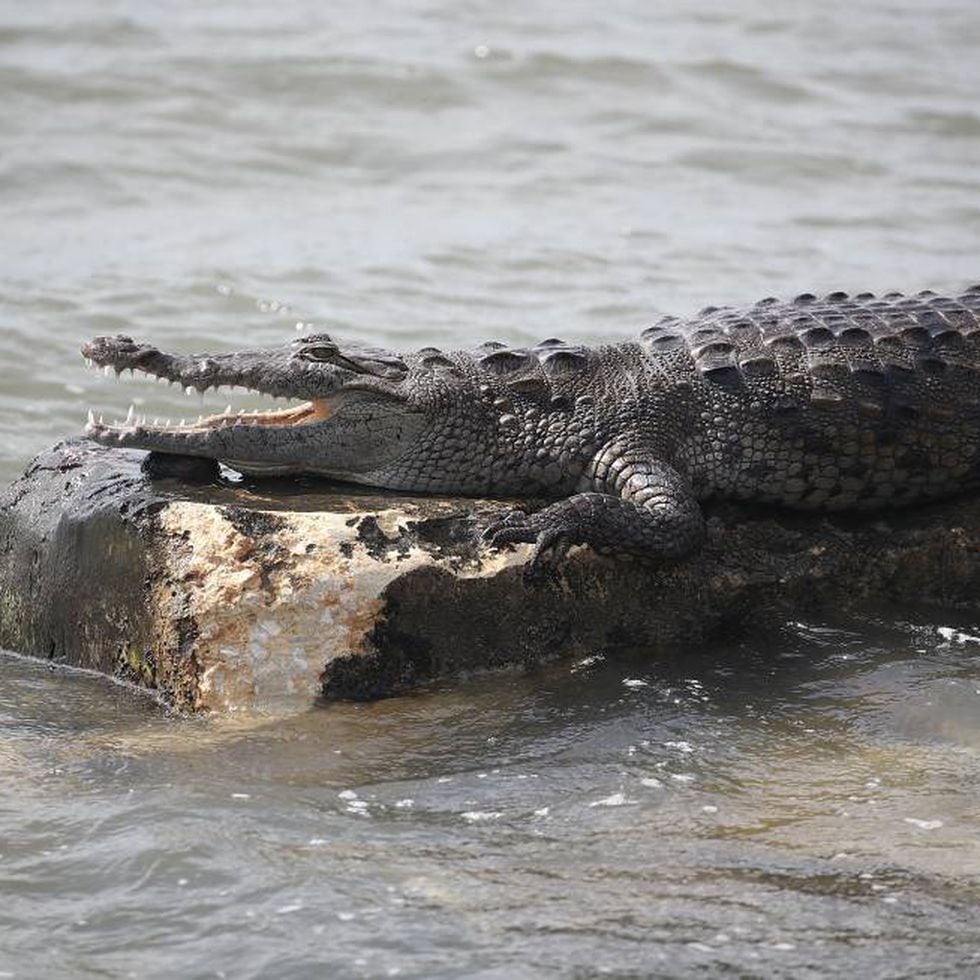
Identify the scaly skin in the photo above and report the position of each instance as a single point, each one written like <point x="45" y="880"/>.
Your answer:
<point x="824" y="404"/>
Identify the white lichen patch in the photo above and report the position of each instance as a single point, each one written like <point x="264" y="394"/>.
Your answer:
<point x="269" y="611"/>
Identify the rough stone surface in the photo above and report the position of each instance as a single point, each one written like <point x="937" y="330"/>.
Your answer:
<point x="228" y="595"/>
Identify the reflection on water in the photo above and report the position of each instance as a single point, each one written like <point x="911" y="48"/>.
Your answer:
<point x="808" y="800"/>
<point x="410" y="173"/>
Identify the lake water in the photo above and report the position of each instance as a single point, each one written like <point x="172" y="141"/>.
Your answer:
<point x="208" y="175"/>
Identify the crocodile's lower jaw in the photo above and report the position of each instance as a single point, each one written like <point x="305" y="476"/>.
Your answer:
<point x="306" y="413"/>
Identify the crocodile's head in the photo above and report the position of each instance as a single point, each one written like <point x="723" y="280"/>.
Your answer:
<point x="355" y="419"/>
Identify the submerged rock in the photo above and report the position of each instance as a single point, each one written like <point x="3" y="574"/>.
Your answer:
<point x="224" y="595"/>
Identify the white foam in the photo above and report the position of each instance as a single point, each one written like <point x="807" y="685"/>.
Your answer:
<point x="924" y="824"/>
<point x="617" y="799"/>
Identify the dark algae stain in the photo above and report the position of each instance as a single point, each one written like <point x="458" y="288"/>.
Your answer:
<point x="255" y="524"/>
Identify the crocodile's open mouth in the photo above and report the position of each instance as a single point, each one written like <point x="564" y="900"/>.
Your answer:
<point x="305" y="413"/>
<point x="346" y="414"/>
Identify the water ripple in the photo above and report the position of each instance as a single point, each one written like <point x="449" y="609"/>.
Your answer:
<point x="410" y="173"/>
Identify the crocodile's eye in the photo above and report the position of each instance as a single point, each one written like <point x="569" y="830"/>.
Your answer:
<point x="319" y="353"/>
<point x="328" y="354"/>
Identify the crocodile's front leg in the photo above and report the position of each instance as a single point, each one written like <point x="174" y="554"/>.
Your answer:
<point x="637" y="504"/>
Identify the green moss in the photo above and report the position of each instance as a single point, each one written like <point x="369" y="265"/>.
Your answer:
<point x="11" y="619"/>
<point x="137" y="665"/>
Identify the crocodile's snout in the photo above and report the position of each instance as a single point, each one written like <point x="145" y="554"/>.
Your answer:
<point x="119" y="351"/>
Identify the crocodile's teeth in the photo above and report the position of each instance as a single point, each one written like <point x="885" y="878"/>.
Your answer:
<point x="107" y="370"/>
<point x="130" y="414"/>
<point x="91" y="417"/>
<point x="228" y="410"/>
<point x="188" y="390"/>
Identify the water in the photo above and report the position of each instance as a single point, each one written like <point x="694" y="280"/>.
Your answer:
<point x="800" y="808"/>
<point x="420" y="173"/>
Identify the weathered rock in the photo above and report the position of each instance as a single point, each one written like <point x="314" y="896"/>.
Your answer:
<point x="230" y="595"/>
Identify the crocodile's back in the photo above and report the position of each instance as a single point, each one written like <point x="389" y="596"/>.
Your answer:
<point x="834" y="402"/>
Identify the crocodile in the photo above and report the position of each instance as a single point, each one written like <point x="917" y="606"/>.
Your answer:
<point x="818" y="403"/>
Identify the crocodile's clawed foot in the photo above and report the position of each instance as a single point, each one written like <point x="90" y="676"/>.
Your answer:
<point x="510" y="529"/>
<point x="551" y="547"/>
<point x="551" y="543"/>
